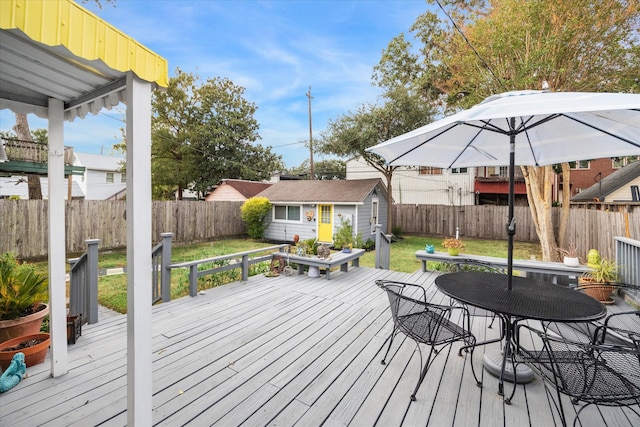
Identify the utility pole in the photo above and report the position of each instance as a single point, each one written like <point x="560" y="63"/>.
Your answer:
<point x="312" y="177"/>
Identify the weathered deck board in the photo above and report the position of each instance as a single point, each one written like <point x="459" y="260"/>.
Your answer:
<point x="285" y="351"/>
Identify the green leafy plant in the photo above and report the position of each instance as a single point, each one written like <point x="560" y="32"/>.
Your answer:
<point x="22" y="290"/>
<point x="254" y="213"/>
<point x="344" y="236"/>
<point x="605" y="271"/>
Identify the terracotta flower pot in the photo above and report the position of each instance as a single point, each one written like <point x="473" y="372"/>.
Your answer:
<point x="600" y="291"/>
<point x="26" y="325"/>
<point x="32" y="355"/>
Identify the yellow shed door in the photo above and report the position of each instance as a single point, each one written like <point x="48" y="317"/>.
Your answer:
<point x="325" y="223"/>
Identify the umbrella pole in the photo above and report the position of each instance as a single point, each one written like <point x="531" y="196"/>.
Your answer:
<point x="511" y="225"/>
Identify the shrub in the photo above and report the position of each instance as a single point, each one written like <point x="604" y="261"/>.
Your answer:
<point x="396" y="231"/>
<point x="254" y="213"/>
<point x="344" y="236"/>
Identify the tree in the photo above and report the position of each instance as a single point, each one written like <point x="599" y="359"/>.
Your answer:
<point x="351" y="134"/>
<point x="21" y="128"/>
<point x="203" y="132"/>
<point x="573" y="45"/>
<point x="322" y="169"/>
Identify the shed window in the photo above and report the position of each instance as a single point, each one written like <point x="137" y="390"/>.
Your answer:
<point x="286" y="213"/>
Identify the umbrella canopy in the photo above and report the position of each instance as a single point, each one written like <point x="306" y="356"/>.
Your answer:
<point x="550" y="127"/>
<point x="528" y="128"/>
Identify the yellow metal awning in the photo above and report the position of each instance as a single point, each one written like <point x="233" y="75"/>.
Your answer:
<point x="58" y="49"/>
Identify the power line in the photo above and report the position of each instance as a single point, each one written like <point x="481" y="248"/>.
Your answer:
<point x="471" y="46"/>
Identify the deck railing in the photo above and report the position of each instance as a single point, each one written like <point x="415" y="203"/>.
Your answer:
<point x="160" y="271"/>
<point x="383" y="248"/>
<point x="238" y="260"/>
<point x="29" y="151"/>
<point x="83" y="292"/>
<point x="628" y="260"/>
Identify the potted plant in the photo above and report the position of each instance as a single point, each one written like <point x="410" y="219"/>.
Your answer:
<point x="453" y="246"/>
<point x="600" y="281"/>
<point x="33" y="346"/>
<point x="569" y="255"/>
<point x="22" y="296"/>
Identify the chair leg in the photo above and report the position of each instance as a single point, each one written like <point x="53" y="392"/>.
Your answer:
<point x="473" y="370"/>
<point x="493" y="319"/>
<point x="423" y="372"/>
<point x="393" y="334"/>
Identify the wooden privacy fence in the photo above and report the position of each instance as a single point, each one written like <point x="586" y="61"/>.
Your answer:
<point x="24" y="228"/>
<point x="586" y="228"/>
<point x="23" y="224"/>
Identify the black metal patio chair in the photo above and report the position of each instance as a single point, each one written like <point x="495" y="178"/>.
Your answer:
<point x="620" y="328"/>
<point x="597" y="373"/>
<point x="425" y="323"/>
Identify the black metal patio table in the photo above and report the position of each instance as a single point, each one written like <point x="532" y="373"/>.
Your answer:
<point x="528" y="299"/>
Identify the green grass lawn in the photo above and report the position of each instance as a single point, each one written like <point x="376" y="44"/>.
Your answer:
<point x="112" y="290"/>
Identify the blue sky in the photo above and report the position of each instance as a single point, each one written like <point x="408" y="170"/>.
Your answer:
<point x="274" y="49"/>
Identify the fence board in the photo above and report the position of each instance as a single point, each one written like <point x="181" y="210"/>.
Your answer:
<point x="588" y="228"/>
<point x="23" y="223"/>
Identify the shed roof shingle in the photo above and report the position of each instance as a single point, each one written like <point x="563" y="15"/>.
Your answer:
<point x="336" y="191"/>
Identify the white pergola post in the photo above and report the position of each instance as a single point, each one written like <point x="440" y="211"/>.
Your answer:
<point x="138" y="139"/>
<point x="57" y="247"/>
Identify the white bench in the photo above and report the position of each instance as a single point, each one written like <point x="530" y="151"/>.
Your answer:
<point x="554" y="269"/>
<point x="337" y="259"/>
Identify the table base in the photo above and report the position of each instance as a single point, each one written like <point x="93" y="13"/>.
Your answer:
<point x="492" y="361"/>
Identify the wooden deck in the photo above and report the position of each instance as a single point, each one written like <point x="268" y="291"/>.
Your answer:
<point x="281" y="351"/>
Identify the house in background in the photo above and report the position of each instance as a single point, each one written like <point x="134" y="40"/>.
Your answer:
<point x="623" y="185"/>
<point x="236" y="190"/>
<point x="491" y="186"/>
<point x="314" y="209"/>
<point x="103" y="178"/>
<point x="422" y="185"/>
<point x="20" y="158"/>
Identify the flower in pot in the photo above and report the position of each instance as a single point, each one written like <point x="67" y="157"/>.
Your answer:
<point x="22" y="296"/>
<point x="600" y="281"/>
<point x="453" y="246"/>
<point x="569" y="255"/>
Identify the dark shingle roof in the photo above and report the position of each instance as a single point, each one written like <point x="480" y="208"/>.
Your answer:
<point x="247" y="188"/>
<point x="335" y="191"/>
<point x="609" y="184"/>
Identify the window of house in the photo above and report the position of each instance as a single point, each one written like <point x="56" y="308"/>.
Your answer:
<point x="109" y="176"/>
<point x="619" y="162"/>
<point x="123" y="177"/>
<point x="287" y="213"/>
<point x="459" y="170"/>
<point x="428" y="170"/>
<point x="493" y="171"/>
<point x="582" y="164"/>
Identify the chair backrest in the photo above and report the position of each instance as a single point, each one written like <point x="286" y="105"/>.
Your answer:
<point x="620" y="328"/>
<point x="414" y="316"/>
<point x="593" y="373"/>
<point x="466" y="264"/>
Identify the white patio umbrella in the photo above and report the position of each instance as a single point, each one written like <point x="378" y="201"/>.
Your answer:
<point x="532" y="128"/>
